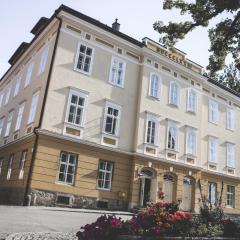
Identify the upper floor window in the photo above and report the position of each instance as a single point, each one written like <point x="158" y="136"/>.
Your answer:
<point x="230" y="196"/>
<point x="230" y="118"/>
<point x="33" y="107"/>
<point x="191" y="141"/>
<point x="230" y="155"/>
<point x="29" y="74"/>
<point x="9" y="123"/>
<point x="174" y="94"/>
<point x="1" y="125"/>
<point x="172" y="137"/>
<point x="22" y="164"/>
<point x="67" y="167"/>
<point x="7" y="95"/>
<point x="112" y="118"/>
<point x="19" y="116"/>
<point x="84" y="58"/>
<point x="76" y="108"/>
<point x="212" y="149"/>
<point x="152" y="125"/>
<point x="213" y="111"/>
<point x="43" y="60"/>
<point x="1" y="164"/>
<point x="105" y="171"/>
<point x="192" y="101"/>
<point x="117" y="72"/>
<point x="154" y="85"/>
<point x="10" y="163"/>
<point x="17" y="86"/>
<point x="1" y="98"/>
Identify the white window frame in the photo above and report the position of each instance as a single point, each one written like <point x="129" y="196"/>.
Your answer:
<point x="33" y="107"/>
<point x="43" y="60"/>
<point x="10" y="163"/>
<point x="22" y="164"/>
<point x="1" y="125"/>
<point x="118" y="118"/>
<point x="1" y="164"/>
<point x="171" y="102"/>
<point x="191" y="131"/>
<point x="212" y="195"/>
<point x="67" y="164"/>
<point x="105" y="172"/>
<point x="1" y="98"/>
<point x="77" y="57"/>
<point x="172" y="125"/>
<point x="79" y="94"/>
<point x="152" y="86"/>
<point x="7" y="96"/>
<point x="230" y="155"/>
<point x="230" y="196"/>
<point x="212" y="146"/>
<point x="190" y="106"/>
<point x="9" y="123"/>
<point x="17" y="86"/>
<point x="213" y="109"/>
<point x="115" y="80"/>
<point x="155" y="119"/>
<point x="29" y="74"/>
<point x="230" y="118"/>
<point x="19" y="116"/>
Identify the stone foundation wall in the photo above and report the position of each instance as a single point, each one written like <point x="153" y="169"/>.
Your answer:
<point x="47" y="198"/>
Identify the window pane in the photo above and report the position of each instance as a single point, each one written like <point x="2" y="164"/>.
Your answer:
<point x="69" y="178"/>
<point x="81" y="101"/>
<point x="82" y="49"/>
<point x="74" y="99"/>
<point x="89" y="51"/>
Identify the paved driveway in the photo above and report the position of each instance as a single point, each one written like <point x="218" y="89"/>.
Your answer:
<point x="44" y="219"/>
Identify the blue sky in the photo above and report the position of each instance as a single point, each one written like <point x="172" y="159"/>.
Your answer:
<point x="136" y="17"/>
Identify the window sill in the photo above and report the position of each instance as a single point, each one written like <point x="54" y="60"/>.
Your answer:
<point x="151" y="144"/>
<point x="73" y="125"/>
<point x="64" y="184"/>
<point x="190" y="155"/>
<point x="173" y="105"/>
<point x="192" y="112"/>
<point x="154" y="98"/>
<point x="83" y="72"/>
<point x="111" y="135"/>
<point x="214" y="123"/>
<point x="116" y="85"/>
<point x="172" y="150"/>
<point x="229" y="207"/>
<point x="230" y="129"/>
<point x="103" y="189"/>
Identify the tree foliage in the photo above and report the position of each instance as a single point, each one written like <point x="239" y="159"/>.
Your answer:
<point x="224" y="37"/>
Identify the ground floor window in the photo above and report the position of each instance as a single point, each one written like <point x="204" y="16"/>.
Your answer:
<point x="230" y="196"/>
<point x="105" y="171"/>
<point x="212" y="192"/>
<point x="67" y="167"/>
<point x="22" y="164"/>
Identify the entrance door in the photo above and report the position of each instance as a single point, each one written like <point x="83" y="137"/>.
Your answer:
<point x="168" y="187"/>
<point x="146" y="193"/>
<point x="187" y="194"/>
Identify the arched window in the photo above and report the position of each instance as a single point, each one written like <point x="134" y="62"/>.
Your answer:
<point x="146" y="173"/>
<point x="168" y="177"/>
<point x="154" y="85"/>
<point x="172" y="138"/>
<point x="174" y="94"/>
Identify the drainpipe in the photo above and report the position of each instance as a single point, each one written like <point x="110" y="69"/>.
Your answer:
<point x="27" y="197"/>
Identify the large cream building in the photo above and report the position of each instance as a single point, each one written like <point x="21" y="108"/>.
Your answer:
<point x="90" y="117"/>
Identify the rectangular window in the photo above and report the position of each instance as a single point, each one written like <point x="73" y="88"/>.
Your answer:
<point x="10" y="163"/>
<point x="43" y="60"/>
<point x="105" y="171"/>
<point x="213" y="111"/>
<point x="117" y="72"/>
<point x="151" y="132"/>
<point x="191" y="141"/>
<point x="33" y="107"/>
<point x="7" y="95"/>
<point x="154" y="85"/>
<point x="112" y="119"/>
<point x="230" y="118"/>
<point x="67" y="167"/>
<point x="212" y="149"/>
<point x="84" y="58"/>
<point x="172" y="138"/>
<point x="22" y="164"/>
<point x="230" y="196"/>
<point x="29" y="74"/>
<point x="212" y="192"/>
<point x="17" y="86"/>
<point x="1" y="98"/>
<point x="76" y="108"/>
<point x="1" y="125"/>
<point x="230" y="155"/>
<point x="192" y="101"/>
<point x="1" y="164"/>
<point x="19" y="116"/>
<point x="9" y="123"/>
<point x="174" y="94"/>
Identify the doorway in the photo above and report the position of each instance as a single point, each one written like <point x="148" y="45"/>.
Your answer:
<point x="146" y="192"/>
<point x="187" y="194"/>
<point x="168" y="185"/>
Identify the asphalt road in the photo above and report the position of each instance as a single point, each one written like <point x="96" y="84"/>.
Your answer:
<point x="44" y="219"/>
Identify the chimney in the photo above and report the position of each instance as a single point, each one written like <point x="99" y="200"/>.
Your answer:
<point x="116" y="25"/>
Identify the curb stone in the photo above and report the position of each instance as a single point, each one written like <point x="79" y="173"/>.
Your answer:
<point x="40" y="236"/>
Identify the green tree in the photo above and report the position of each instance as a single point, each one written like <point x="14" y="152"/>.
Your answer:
<point x="224" y="37"/>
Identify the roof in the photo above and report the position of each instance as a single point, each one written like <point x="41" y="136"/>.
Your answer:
<point x="18" y="53"/>
<point x="40" y="25"/>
